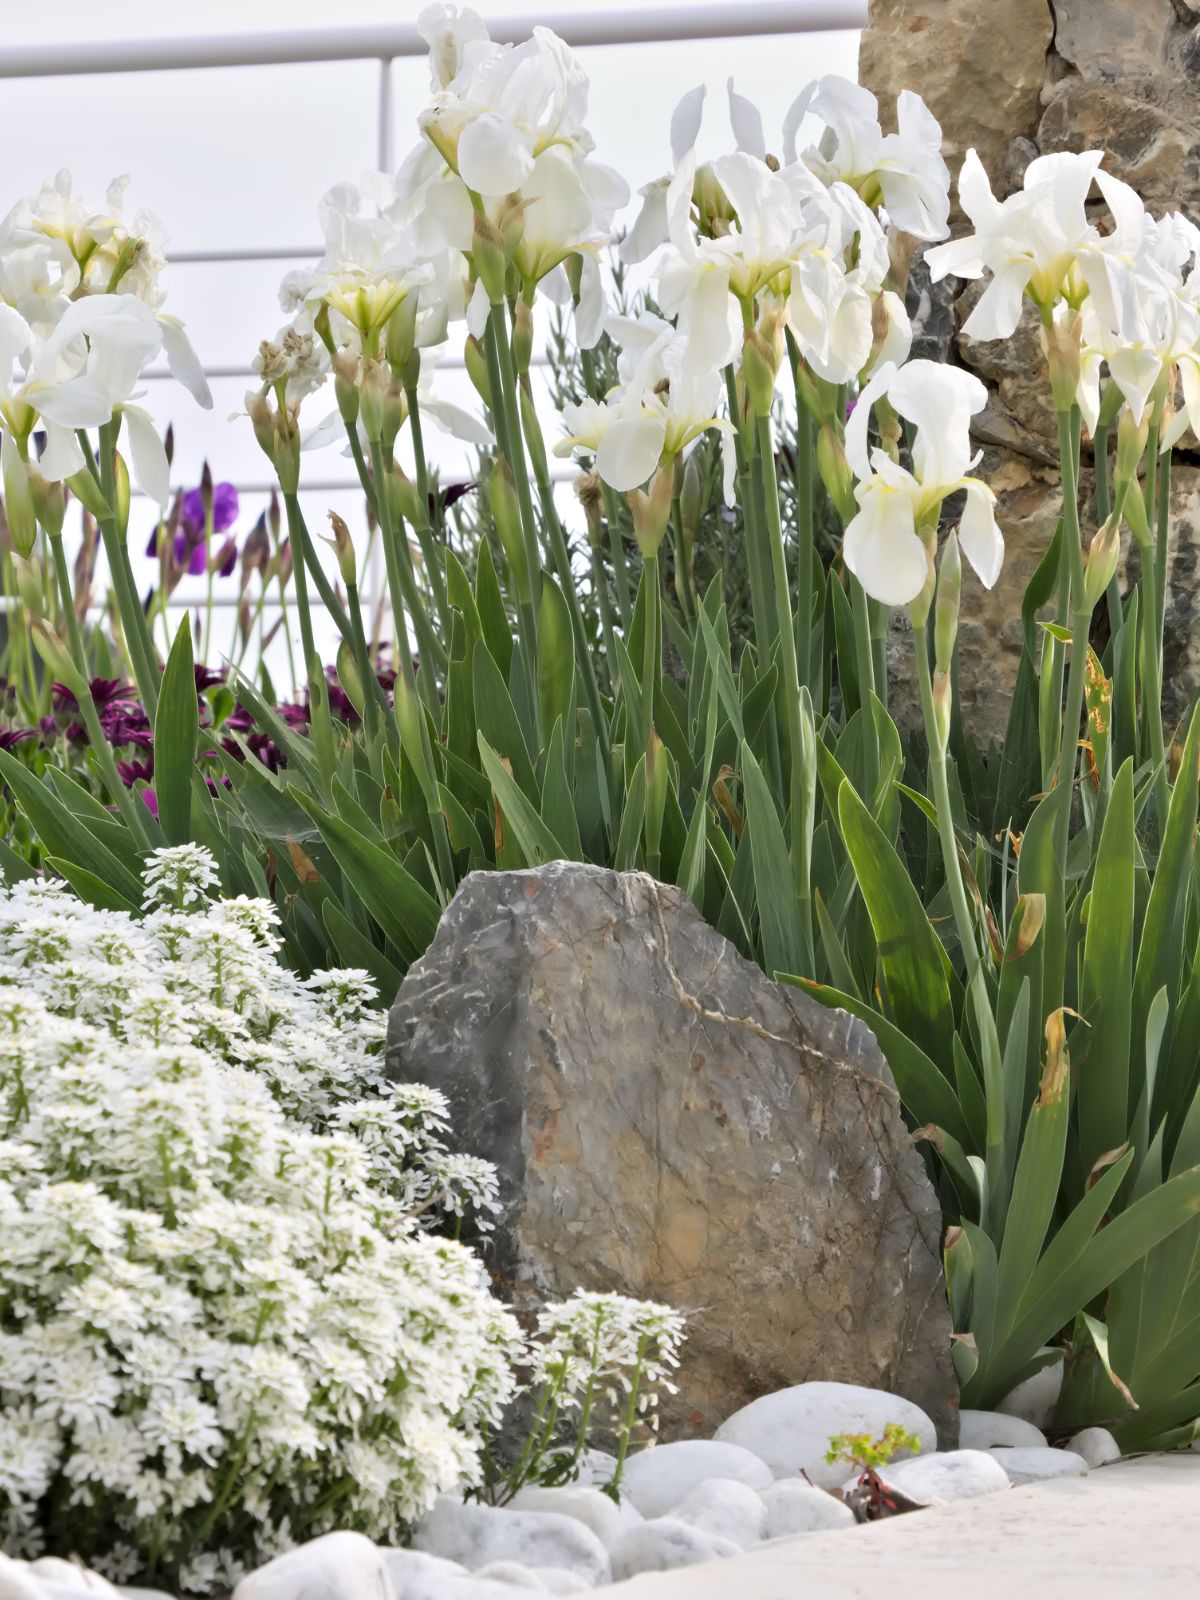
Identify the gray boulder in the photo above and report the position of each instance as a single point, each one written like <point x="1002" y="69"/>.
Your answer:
<point x="671" y="1124"/>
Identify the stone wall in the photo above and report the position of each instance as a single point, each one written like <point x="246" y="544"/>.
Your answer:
<point x="1016" y="78"/>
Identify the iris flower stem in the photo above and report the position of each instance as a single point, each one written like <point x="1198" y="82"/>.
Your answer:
<point x="562" y="561"/>
<point x="126" y="803"/>
<point x="1068" y="748"/>
<point x="600" y="584"/>
<point x="142" y="659"/>
<point x="804" y="522"/>
<point x="404" y="667"/>
<point x="964" y="924"/>
<point x="1116" y="616"/>
<point x="318" y="703"/>
<point x="329" y="599"/>
<point x="402" y="581"/>
<point x="430" y="551"/>
<point x="506" y="400"/>
<point x="747" y="499"/>
<point x="612" y="510"/>
<point x="793" y="711"/>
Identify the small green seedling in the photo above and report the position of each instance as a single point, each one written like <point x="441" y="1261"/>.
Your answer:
<point x="867" y="1454"/>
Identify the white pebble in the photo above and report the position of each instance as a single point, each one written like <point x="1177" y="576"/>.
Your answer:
<point x="475" y="1535"/>
<point x="794" y="1506"/>
<point x="1036" y="1398"/>
<point x="16" y="1582"/>
<point x="69" y="1575"/>
<point x="725" y="1507"/>
<point x="1039" y="1466"/>
<point x="657" y="1479"/>
<point x="1096" y="1445"/>
<point x="337" y="1566"/>
<point x="663" y="1544"/>
<point x="595" y="1468"/>
<point x="981" y="1430"/>
<point x="791" y="1429"/>
<point x="545" y="1580"/>
<point x="942" y="1476"/>
<point x="592" y="1507"/>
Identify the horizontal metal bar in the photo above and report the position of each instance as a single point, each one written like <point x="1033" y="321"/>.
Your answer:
<point x="565" y="473"/>
<point x="268" y="252"/>
<point x="386" y="42"/>
<point x="451" y="363"/>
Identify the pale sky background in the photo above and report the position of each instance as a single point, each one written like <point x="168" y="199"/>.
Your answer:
<point x="238" y="158"/>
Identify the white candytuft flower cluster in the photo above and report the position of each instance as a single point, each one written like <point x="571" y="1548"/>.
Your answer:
<point x="223" y="1328"/>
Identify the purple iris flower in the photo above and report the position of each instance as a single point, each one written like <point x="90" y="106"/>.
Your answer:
<point x="189" y="536"/>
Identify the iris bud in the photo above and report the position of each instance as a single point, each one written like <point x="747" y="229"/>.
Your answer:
<point x="487" y="253"/>
<point x="835" y="472"/>
<point x="343" y="548"/>
<point x="945" y="616"/>
<point x="652" y="509"/>
<point x="506" y="513"/>
<point x="759" y="365"/>
<point x="1101" y="562"/>
<point x="18" y="500"/>
<point x="476" y="365"/>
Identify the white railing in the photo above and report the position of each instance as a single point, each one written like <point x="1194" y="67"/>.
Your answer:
<point x="385" y="44"/>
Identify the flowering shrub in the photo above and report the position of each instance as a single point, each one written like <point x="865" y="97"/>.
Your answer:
<point x="221" y="1325"/>
<point x="596" y="1360"/>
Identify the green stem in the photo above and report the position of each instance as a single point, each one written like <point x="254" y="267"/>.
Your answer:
<point x="142" y="659"/>
<point x="562" y="561"/>
<point x="318" y="701"/>
<point x="1116" y="616"/>
<point x="1151" y="671"/>
<point x="1161" y="530"/>
<point x="1072" y="563"/>
<point x="126" y="802"/>
<point x="748" y="500"/>
<point x="651" y="653"/>
<point x="500" y="373"/>
<point x="785" y="626"/>
<point x="600" y="585"/>
<point x="612" y="511"/>
<point x="430" y="552"/>
<point x="964" y="924"/>
<point x="804" y="521"/>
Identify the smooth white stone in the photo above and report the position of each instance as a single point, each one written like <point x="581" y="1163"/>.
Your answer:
<point x="724" y="1507"/>
<point x="560" y="1580"/>
<point x="791" y="1429"/>
<point x="795" y="1507"/>
<point x="406" y="1568"/>
<point x="1096" y="1445"/>
<point x="545" y="1580"/>
<point x="607" y="1520"/>
<point x="938" y="1478"/>
<point x="16" y="1582"/>
<point x="69" y="1575"/>
<point x="981" y="1430"/>
<point x="664" y="1544"/>
<point x="475" y="1535"/>
<point x="654" y="1480"/>
<point x="417" y="1576"/>
<point x="337" y="1566"/>
<point x="1039" y="1466"/>
<point x="1036" y="1398"/>
<point x="596" y="1468"/>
